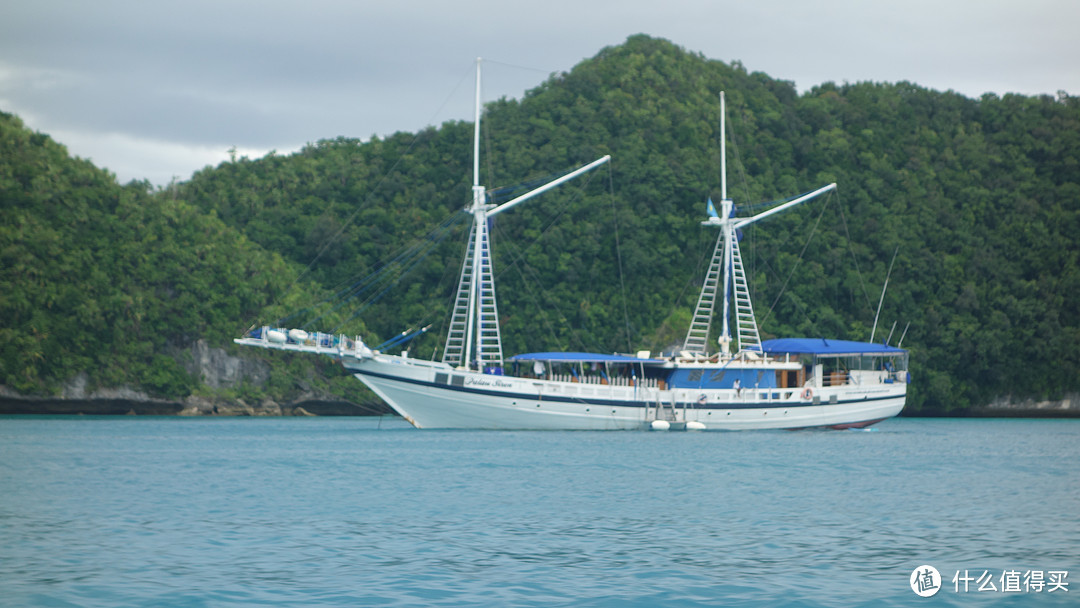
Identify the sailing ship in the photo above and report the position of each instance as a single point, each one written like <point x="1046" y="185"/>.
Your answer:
<point x="771" y="384"/>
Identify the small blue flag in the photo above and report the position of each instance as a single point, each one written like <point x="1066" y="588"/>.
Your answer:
<point x="712" y="210"/>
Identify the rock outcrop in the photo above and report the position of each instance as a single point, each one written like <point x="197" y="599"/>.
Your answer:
<point x="216" y="368"/>
<point x="124" y="400"/>
<point x="1012" y="407"/>
<point x="75" y="400"/>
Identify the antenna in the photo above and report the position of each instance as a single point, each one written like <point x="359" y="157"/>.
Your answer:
<point x="898" y="344"/>
<point x="883" y="288"/>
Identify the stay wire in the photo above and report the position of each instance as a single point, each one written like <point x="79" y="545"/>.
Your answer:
<point x="343" y="295"/>
<point x="746" y="193"/>
<point x="561" y="211"/>
<point x="386" y="272"/>
<point x="379" y="295"/>
<point x="401" y="253"/>
<point x="519" y="259"/>
<point x="851" y="250"/>
<point x="795" y="266"/>
<point x="403" y="269"/>
<point x="783" y="288"/>
<point x="540" y="308"/>
<point x="520" y="266"/>
<point x="706" y="246"/>
<point x="618" y="254"/>
<point x="371" y="194"/>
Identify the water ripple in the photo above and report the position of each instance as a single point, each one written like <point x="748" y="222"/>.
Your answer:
<point x="334" y="512"/>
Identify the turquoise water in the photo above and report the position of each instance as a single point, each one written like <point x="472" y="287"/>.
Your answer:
<point x="357" y="512"/>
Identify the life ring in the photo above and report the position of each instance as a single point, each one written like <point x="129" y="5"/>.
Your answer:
<point x="702" y="398"/>
<point x="807" y="393"/>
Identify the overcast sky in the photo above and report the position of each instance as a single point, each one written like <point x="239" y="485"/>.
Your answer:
<point x="158" y="89"/>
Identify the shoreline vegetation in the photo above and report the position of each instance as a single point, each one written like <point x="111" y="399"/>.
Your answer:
<point x="111" y="406"/>
<point x="125" y="298"/>
<point x="12" y="404"/>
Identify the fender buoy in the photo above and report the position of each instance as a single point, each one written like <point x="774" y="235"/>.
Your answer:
<point x="807" y="394"/>
<point x="702" y="399"/>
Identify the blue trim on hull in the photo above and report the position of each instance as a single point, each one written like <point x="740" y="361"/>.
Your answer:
<point x="613" y="402"/>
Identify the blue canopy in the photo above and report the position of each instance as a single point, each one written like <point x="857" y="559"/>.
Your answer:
<point x="821" y="346"/>
<point x="581" y="358"/>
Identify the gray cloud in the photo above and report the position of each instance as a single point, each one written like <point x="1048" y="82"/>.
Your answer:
<point x="204" y="76"/>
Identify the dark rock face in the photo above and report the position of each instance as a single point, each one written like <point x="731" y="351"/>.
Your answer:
<point x="74" y="399"/>
<point x="18" y="404"/>
<point x="1011" y="407"/>
<point x="123" y="401"/>
<point x="218" y="369"/>
<point x="213" y="366"/>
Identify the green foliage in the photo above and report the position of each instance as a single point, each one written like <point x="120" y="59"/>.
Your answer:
<point x="109" y="279"/>
<point x="980" y="197"/>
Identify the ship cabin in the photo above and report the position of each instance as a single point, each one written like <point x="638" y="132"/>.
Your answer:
<point x="590" y="368"/>
<point x="784" y="363"/>
<point x="824" y="363"/>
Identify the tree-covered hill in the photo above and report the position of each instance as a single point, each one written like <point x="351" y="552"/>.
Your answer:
<point x="113" y="282"/>
<point x="977" y="198"/>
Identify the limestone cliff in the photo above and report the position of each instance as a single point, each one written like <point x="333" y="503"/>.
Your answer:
<point x="216" y="369"/>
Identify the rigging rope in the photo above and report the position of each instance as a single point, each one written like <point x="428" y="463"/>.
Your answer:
<point x="406" y="259"/>
<point x="795" y="266"/>
<point x="367" y="303"/>
<point x="746" y="196"/>
<point x="371" y="194"/>
<point x="855" y="260"/>
<point x="520" y="258"/>
<point x="618" y="254"/>
<point x="401" y="255"/>
<point x="751" y="208"/>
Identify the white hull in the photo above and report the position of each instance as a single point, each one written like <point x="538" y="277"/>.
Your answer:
<point x="435" y="396"/>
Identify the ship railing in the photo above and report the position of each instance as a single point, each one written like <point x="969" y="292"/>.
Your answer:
<point x="836" y="378"/>
<point x="877" y="376"/>
<point x="286" y="339"/>
<point x="601" y="381"/>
